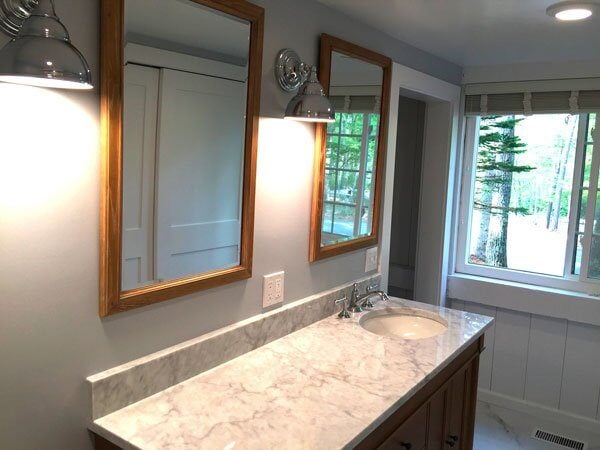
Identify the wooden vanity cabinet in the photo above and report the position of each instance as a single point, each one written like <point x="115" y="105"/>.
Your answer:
<point x="440" y="416"/>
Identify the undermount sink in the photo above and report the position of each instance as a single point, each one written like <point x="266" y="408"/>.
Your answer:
<point x="404" y="323"/>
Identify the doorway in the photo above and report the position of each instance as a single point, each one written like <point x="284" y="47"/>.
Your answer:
<point x="405" y="209"/>
<point x="418" y="201"/>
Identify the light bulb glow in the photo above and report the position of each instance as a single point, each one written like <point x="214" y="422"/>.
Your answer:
<point x="308" y="119"/>
<point x="573" y="14"/>
<point x="570" y="11"/>
<point x="45" y="82"/>
<point x="48" y="157"/>
<point x="285" y="165"/>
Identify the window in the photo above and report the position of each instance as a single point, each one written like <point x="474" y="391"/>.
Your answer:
<point x="351" y="145"/>
<point x="529" y="210"/>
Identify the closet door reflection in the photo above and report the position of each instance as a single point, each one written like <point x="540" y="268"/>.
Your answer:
<point x="181" y="198"/>
<point x="199" y="174"/>
<point x="180" y="91"/>
<point x="183" y="141"/>
<point x="139" y="165"/>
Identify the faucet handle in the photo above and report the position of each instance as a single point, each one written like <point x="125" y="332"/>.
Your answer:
<point x="372" y="287"/>
<point x="344" y="313"/>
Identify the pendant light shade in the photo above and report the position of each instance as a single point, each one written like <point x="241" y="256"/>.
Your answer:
<point x="41" y="54"/>
<point x="310" y="104"/>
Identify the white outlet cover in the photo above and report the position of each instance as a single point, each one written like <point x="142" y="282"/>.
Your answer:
<point x="273" y="289"/>
<point x="371" y="259"/>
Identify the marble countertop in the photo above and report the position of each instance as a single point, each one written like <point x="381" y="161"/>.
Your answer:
<point x="325" y="386"/>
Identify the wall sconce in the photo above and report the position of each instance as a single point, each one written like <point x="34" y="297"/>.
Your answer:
<point x="310" y="104"/>
<point x="40" y="53"/>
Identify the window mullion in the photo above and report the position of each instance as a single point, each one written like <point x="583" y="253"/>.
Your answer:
<point x="591" y="206"/>
<point x="576" y="193"/>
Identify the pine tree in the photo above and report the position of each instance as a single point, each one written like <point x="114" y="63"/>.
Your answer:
<point x="498" y="147"/>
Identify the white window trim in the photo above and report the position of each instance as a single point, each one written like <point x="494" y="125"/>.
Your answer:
<point x="574" y="204"/>
<point x="567" y="282"/>
<point x="591" y="204"/>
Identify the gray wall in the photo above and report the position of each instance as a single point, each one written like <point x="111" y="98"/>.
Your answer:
<point x="51" y="337"/>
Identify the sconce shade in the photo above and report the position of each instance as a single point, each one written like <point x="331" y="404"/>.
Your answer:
<point x="42" y="54"/>
<point x="310" y="104"/>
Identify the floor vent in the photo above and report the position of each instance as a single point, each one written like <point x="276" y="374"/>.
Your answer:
<point x="557" y="439"/>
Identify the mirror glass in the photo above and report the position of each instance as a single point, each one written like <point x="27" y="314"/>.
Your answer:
<point x="355" y="91"/>
<point x="184" y="115"/>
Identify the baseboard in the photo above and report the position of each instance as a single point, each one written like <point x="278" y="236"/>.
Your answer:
<point x="544" y="412"/>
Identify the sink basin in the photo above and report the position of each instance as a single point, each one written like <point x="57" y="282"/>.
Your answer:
<point x="404" y="323"/>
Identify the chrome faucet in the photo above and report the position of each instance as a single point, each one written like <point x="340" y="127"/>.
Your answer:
<point x="358" y="302"/>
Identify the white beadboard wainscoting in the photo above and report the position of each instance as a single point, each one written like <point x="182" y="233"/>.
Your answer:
<point x="540" y="363"/>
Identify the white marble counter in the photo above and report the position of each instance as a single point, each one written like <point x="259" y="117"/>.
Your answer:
<point x="325" y="386"/>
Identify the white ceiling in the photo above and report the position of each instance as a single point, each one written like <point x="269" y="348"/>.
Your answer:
<point x="480" y="32"/>
<point x="188" y="23"/>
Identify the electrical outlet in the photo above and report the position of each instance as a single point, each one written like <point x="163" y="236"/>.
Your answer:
<point x="273" y="285"/>
<point x="371" y="260"/>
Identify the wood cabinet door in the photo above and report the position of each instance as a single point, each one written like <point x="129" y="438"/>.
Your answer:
<point x="461" y="412"/>
<point x="456" y="411"/>
<point x="470" y="404"/>
<point x="438" y="412"/>
<point x="412" y="434"/>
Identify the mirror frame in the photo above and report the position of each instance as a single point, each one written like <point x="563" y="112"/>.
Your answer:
<point x="329" y="44"/>
<point x="112" y="299"/>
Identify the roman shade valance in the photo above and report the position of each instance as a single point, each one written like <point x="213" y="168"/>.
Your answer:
<point x="356" y="103"/>
<point x="533" y="102"/>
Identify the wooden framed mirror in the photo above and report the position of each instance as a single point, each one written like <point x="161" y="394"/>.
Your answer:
<point x="180" y="93"/>
<point x="350" y="153"/>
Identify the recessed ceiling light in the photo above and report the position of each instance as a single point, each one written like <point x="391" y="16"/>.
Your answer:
<point x="571" y="10"/>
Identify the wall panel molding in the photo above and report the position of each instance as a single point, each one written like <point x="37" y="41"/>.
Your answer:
<point x="545" y="363"/>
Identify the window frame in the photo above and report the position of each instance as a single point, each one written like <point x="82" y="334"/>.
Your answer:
<point x="567" y="281"/>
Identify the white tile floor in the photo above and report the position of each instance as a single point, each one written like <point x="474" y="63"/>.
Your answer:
<point x="499" y="428"/>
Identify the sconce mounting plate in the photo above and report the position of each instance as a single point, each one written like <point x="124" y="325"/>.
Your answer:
<point x="13" y="13"/>
<point x="290" y="71"/>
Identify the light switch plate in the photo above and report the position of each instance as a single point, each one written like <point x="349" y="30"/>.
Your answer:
<point x="371" y="260"/>
<point x="273" y="288"/>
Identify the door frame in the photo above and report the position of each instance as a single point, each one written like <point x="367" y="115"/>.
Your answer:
<point x="440" y="152"/>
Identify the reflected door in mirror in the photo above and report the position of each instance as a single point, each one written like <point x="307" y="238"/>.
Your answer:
<point x="184" y="115"/>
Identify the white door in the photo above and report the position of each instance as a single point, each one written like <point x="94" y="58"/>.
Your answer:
<point x="139" y="148"/>
<point x="199" y="173"/>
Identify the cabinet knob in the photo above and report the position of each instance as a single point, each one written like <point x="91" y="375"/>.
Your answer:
<point x="452" y="440"/>
<point x="405" y="445"/>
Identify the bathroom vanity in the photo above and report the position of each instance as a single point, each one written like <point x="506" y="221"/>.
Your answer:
<point x="441" y="415"/>
<point x="331" y="384"/>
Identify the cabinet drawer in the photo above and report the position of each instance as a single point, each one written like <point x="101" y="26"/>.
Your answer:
<point x="412" y="434"/>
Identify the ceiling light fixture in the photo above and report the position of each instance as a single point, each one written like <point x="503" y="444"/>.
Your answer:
<point x="310" y="104"/>
<point x="571" y="10"/>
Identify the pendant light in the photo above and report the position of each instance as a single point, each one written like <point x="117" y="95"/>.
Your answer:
<point x="41" y="53"/>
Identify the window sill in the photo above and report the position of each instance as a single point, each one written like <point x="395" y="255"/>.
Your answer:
<point x="528" y="298"/>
